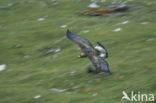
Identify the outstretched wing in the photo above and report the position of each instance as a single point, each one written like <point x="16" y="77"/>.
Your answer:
<point x="100" y="64"/>
<point x="84" y="44"/>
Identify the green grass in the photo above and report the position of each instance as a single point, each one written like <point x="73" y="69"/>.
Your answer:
<point x="131" y="57"/>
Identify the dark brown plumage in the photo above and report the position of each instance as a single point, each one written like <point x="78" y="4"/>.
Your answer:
<point x="99" y="63"/>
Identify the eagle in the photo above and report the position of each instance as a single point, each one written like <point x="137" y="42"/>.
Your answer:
<point x="95" y="54"/>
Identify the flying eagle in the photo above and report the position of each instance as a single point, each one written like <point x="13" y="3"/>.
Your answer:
<point x="92" y="53"/>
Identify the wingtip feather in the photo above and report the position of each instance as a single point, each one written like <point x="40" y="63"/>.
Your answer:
<point x="68" y="30"/>
<point x="68" y="33"/>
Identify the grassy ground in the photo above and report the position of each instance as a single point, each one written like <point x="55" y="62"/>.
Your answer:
<point x="31" y="71"/>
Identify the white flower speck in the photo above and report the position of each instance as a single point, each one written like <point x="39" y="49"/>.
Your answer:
<point x="2" y="67"/>
<point x="57" y="50"/>
<point x="63" y="26"/>
<point x="150" y="39"/>
<point x="26" y="56"/>
<point x="40" y="19"/>
<point x="85" y="31"/>
<point x="75" y="87"/>
<point x="144" y="23"/>
<point x="117" y="30"/>
<point x="95" y="94"/>
<point x="57" y="90"/>
<point x="37" y="96"/>
<point x="72" y="73"/>
<point x="93" y="5"/>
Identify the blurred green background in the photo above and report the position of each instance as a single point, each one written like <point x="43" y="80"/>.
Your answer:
<point x="39" y="57"/>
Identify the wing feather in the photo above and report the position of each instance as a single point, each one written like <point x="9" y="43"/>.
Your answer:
<point x="83" y="43"/>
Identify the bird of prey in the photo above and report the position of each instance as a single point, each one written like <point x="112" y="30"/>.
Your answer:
<point x="97" y="60"/>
